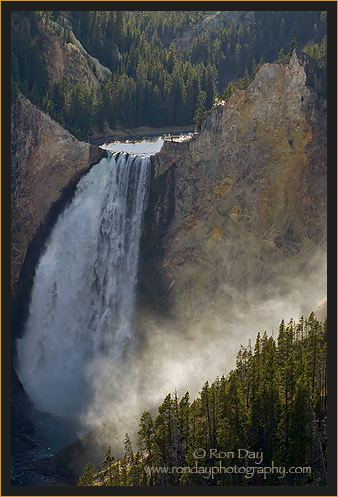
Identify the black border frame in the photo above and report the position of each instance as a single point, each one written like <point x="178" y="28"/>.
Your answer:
<point x="331" y="487"/>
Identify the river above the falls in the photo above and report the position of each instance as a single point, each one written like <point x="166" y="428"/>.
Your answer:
<point x="147" y="146"/>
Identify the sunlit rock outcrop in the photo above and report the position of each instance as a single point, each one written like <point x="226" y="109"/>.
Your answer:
<point x="244" y="203"/>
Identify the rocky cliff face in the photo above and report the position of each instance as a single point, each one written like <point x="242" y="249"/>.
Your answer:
<point x="46" y="163"/>
<point x="244" y="203"/>
<point x="67" y="57"/>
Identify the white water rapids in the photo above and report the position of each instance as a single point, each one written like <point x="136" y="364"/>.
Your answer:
<point x="82" y="302"/>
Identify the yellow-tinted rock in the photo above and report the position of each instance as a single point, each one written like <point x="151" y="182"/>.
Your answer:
<point x="215" y="236"/>
<point x="248" y="194"/>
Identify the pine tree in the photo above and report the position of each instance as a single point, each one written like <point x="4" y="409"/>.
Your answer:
<point x="164" y="430"/>
<point x="87" y="477"/>
<point x="184" y="422"/>
<point x="107" y="467"/>
<point x="287" y="381"/>
<point x="200" y="109"/>
<point x="147" y="443"/>
<point x="293" y="45"/>
<point x="281" y="54"/>
<point x="300" y="427"/>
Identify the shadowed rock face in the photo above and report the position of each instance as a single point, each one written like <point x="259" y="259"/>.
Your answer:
<point x="46" y="163"/>
<point x="244" y="203"/>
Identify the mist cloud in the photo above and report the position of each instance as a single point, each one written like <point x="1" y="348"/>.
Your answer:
<point x="180" y="355"/>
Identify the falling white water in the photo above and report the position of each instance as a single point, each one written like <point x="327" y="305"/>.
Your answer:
<point x="82" y="303"/>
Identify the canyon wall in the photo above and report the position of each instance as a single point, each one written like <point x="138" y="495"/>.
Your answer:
<point x="254" y="178"/>
<point x="239" y="210"/>
<point x="244" y="203"/>
<point x="46" y="163"/>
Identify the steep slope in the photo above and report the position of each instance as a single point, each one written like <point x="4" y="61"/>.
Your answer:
<point x="67" y="57"/>
<point x="243" y="204"/>
<point x="61" y="52"/>
<point x="216" y="19"/>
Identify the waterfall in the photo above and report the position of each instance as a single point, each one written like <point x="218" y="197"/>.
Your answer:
<point x="81" y="310"/>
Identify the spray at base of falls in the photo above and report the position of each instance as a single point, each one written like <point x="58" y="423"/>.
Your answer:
<point x="81" y="311"/>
